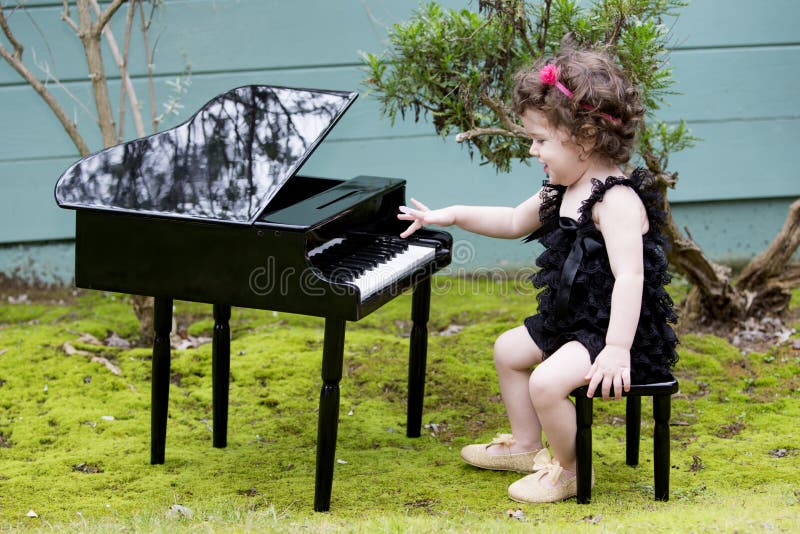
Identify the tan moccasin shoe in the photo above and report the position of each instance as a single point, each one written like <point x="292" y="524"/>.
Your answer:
<point x="478" y="455"/>
<point x="534" y="489"/>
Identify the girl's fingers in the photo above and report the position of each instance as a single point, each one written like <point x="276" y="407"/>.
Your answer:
<point x="617" y="386"/>
<point x="620" y="379"/>
<point x="606" y="386"/>
<point x="411" y="229"/>
<point x="410" y="211"/>
<point x="419" y="205"/>
<point x="593" y="384"/>
<point x="592" y="371"/>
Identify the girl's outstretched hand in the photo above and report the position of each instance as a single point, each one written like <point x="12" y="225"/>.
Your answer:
<point x="611" y="367"/>
<point x="424" y="215"/>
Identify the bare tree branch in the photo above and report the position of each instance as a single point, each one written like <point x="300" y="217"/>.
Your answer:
<point x="50" y="76"/>
<point x="542" y="41"/>
<point x="503" y="113"/>
<point x="613" y="37"/>
<point x="10" y="35"/>
<point x="482" y="132"/>
<point x="89" y="34"/>
<point x="69" y="126"/>
<point x="104" y="17"/>
<point x="149" y="56"/>
<point x="65" y="16"/>
<point x="127" y="84"/>
<point x="128" y="29"/>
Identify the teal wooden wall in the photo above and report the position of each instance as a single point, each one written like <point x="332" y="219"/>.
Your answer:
<point x="736" y="62"/>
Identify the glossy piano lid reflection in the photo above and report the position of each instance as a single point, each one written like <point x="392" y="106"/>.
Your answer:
<point x="224" y="164"/>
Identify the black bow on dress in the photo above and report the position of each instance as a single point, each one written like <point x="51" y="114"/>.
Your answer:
<point x="583" y="245"/>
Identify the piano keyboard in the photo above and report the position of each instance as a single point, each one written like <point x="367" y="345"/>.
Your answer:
<point x="371" y="263"/>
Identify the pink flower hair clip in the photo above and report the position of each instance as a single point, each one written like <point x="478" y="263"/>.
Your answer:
<point x="549" y="75"/>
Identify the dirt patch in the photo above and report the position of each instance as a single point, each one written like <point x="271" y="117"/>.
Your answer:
<point x="697" y="464"/>
<point x="13" y="291"/>
<point x="728" y="431"/>
<point x="752" y="335"/>
<point x="87" y="468"/>
<point x="782" y="453"/>
<point x="424" y="504"/>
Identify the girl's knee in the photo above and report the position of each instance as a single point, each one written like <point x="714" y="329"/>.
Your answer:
<point x="545" y="387"/>
<point x="514" y="351"/>
<point x="564" y="371"/>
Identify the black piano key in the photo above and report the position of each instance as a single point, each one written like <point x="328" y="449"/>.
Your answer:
<point x="356" y="254"/>
<point x="389" y="248"/>
<point x="352" y="261"/>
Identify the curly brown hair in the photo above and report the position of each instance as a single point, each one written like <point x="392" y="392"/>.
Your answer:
<point x="605" y="110"/>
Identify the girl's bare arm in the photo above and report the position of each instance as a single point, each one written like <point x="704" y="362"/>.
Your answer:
<point x="492" y="221"/>
<point x="622" y="221"/>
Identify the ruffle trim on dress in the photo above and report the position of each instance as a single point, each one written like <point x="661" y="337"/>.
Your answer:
<point x="548" y="212"/>
<point x="643" y="183"/>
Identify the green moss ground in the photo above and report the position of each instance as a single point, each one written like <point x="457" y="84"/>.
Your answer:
<point x="736" y="425"/>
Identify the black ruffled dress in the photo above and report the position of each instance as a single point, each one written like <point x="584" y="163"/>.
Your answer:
<point x="576" y="281"/>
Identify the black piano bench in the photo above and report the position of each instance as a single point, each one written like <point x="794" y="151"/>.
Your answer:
<point x="662" y="405"/>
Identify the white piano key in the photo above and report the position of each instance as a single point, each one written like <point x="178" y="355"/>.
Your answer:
<point x="389" y="271"/>
<point x="385" y="274"/>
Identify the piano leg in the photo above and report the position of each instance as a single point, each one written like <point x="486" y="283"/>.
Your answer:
<point x="159" y="393"/>
<point x="221" y="370"/>
<point x="418" y="355"/>
<point x="327" y="427"/>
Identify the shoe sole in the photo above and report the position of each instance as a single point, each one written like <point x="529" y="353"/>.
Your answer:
<point x="496" y="468"/>
<point x="545" y="502"/>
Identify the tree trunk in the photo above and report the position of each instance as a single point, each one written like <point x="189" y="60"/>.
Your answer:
<point x="89" y="34"/>
<point x="143" y="308"/>
<point x="712" y="297"/>
<point x="763" y="287"/>
<point x="766" y="282"/>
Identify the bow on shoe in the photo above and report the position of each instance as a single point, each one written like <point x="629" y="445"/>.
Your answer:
<point x="503" y="439"/>
<point x="542" y="462"/>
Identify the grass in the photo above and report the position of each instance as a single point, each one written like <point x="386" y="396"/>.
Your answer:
<point x="74" y="438"/>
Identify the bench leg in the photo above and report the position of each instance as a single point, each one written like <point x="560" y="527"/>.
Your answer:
<point x="328" y="425"/>
<point x="159" y="391"/>
<point x="633" y="425"/>
<point x="583" y="448"/>
<point x="662" y="405"/>
<point x="417" y="356"/>
<point x="220" y="372"/>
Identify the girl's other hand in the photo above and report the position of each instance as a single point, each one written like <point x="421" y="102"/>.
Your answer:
<point x="611" y="367"/>
<point x="424" y="215"/>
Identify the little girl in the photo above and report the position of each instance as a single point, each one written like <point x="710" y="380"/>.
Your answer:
<point x="603" y="312"/>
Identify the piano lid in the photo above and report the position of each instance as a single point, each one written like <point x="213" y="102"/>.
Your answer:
<point x="224" y="164"/>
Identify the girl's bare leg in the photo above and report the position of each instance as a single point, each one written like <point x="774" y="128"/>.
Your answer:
<point x="515" y="354"/>
<point x="550" y="386"/>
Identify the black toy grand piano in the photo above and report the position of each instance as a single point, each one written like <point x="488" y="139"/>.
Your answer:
<point x="214" y="211"/>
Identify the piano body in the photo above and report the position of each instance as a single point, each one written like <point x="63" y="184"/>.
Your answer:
<point x="214" y="211"/>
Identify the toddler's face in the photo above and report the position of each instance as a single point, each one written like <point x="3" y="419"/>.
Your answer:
<point x="553" y="148"/>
